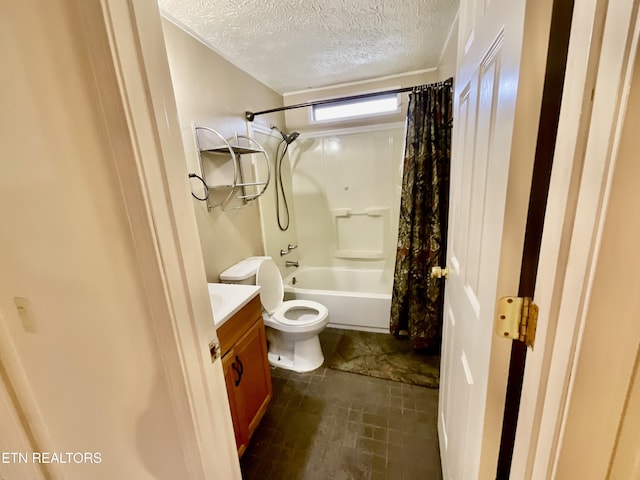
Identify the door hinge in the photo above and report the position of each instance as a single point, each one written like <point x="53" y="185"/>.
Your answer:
<point x="214" y="349"/>
<point x="517" y="318"/>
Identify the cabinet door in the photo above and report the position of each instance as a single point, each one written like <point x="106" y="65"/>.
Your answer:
<point x="250" y="353"/>
<point x="232" y="377"/>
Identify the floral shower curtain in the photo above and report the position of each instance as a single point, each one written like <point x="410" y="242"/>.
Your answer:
<point x="416" y="306"/>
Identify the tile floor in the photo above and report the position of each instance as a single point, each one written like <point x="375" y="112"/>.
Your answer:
<point x="336" y="425"/>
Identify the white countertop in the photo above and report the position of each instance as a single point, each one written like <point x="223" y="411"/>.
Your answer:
<point x="227" y="299"/>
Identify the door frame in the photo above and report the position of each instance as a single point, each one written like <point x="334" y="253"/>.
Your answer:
<point x="132" y="86"/>
<point x="593" y="106"/>
<point x="136" y="96"/>
<point x="17" y="408"/>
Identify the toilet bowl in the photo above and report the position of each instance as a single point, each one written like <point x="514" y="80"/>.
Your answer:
<point x="292" y="326"/>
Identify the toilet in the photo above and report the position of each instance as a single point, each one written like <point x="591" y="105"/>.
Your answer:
<point x="292" y="326"/>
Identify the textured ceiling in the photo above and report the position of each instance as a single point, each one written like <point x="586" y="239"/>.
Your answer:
<point x="293" y="45"/>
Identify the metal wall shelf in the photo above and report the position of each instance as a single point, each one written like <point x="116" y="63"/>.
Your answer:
<point x="238" y="150"/>
<point x="238" y="194"/>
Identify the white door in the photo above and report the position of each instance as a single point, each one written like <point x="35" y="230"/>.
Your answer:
<point x="484" y="242"/>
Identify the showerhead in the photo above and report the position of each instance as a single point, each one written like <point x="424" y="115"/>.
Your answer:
<point x="291" y="137"/>
<point x="287" y="138"/>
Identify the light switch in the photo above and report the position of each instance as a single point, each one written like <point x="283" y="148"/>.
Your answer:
<point x="25" y="312"/>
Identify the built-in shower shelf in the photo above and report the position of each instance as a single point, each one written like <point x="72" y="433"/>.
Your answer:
<point x="239" y="193"/>
<point x="361" y="233"/>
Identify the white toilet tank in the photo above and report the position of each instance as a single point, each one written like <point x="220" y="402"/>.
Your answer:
<point x="243" y="272"/>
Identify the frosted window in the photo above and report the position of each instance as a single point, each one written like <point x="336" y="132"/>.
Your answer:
<point x="357" y="108"/>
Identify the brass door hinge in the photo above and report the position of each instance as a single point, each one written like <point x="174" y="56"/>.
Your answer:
<point x="517" y="318"/>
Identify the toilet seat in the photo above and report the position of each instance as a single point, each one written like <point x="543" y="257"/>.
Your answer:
<point x="318" y="310"/>
<point x="272" y="295"/>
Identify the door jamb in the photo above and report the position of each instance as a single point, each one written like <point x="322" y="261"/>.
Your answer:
<point x="577" y="200"/>
<point x="152" y="173"/>
<point x="554" y="79"/>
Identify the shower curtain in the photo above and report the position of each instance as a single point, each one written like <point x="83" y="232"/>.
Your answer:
<point x="417" y="299"/>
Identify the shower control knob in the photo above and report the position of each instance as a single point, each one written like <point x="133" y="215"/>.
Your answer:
<point x="439" y="272"/>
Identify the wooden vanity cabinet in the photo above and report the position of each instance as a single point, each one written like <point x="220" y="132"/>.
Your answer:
<point x="246" y="370"/>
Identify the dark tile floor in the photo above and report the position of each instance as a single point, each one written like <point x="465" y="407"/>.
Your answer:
<point x="336" y="425"/>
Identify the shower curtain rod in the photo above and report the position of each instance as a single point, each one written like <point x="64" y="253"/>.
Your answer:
<point x="251" y="115"/>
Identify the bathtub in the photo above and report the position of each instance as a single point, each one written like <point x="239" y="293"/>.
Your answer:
<point x="357" y="299"/>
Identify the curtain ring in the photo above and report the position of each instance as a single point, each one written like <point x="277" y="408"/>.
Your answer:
<point x="206" y="188"/>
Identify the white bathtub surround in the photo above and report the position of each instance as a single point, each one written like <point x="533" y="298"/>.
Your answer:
<point x="346" y="192"/>
<point x="274" y="240"/>
<point x="357" y="299"/>
<point x="345" y="199"/>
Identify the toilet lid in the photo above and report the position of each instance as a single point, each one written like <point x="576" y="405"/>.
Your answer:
<point x="271" y="287"/>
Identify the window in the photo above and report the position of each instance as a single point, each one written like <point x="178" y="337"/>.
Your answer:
<point x="365" y="107"/>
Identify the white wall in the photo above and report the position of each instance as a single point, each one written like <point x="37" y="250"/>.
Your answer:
<point x="92" y="363"/>
<point x="338" y="177"/>
<point x="276" y="239"/>
<point x="448" y="58"/>
<point x="212" y="92"/>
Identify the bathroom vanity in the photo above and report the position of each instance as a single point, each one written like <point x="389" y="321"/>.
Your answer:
<point x="243" y="347"/>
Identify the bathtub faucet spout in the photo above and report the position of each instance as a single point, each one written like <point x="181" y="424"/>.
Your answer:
<point x="290" y="263"/>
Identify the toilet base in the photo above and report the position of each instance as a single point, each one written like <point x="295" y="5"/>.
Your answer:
<point x="299" y="356"/>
